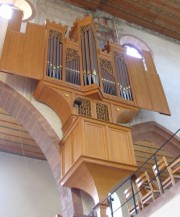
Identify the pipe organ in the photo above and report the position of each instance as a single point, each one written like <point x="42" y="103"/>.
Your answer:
<point x="89" y="55"/>
<point x="54" y="55"/>
<point x="72" y="69"/>
<point x="109" y="86"/>
<point x="122" y="76"/>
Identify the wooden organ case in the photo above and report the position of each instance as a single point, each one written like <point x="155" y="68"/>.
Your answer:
<point x="91" y="91"/>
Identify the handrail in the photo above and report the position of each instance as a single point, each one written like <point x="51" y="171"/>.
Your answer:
<point x="130" y="178"/>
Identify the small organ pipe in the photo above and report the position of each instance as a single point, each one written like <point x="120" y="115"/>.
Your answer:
<point x="78" y="72"/>
<point x="60" y="60"/>
<point x="48" y="59"/>
<point x="54" y="56"/>
<point x="51" y="56"/>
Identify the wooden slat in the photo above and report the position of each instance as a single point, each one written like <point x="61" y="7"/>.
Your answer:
<point x="6" y="120"/>
<point x="37" y="155"/>
<point x="16" y="138"/>
<point x="149" y="150"/>
<point x="14" y="132"/>
<point x="140" y="157"/>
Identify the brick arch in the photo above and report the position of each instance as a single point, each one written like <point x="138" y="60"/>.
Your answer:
<point x="35" y="124"/>
<point x="154" y="132"/>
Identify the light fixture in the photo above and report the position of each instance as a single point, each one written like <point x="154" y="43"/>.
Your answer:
<point x="23" y="5"/>
<point x="6" y="11"/>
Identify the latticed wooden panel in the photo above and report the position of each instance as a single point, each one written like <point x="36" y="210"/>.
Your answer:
<point x="102" y="112"/>
<point x="85" y="107"/>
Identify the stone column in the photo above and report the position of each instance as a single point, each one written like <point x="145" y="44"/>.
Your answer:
<point x="71" y="203"/>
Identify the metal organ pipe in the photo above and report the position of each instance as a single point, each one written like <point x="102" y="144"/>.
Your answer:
<point x="89" y="56"/>
<point x="122" y="75"/>
<point x="72" y="66"/>
<point x="93" y="57"/>
<point x="54" y="55"/>
<point x="84" y="59"/>
<point x="108" y="79"/>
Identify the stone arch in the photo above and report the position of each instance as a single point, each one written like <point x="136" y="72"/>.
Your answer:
<point x="32" y="120"/>
<point x="157" y="134"/>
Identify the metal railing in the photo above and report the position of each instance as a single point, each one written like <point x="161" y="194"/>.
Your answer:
<point x="130" y="195"/>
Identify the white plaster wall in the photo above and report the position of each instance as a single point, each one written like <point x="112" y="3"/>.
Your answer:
<point x="57" y="11"/>
<point x="27" y="188"/>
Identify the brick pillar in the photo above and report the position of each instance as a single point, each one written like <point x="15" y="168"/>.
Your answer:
<point x="71" y="203"/>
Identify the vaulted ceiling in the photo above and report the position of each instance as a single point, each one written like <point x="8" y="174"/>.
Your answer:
<point x="162" y="16"/>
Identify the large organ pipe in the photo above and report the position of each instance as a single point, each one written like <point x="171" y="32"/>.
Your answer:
<point x="87" y="57"/>
<point x="93" y="55"/>
<point x="84" y="59"/>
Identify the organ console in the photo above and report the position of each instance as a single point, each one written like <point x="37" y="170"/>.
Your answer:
<point x="110" y="85"/>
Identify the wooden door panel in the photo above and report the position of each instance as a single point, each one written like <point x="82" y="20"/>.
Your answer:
<point x="141" y="92"/>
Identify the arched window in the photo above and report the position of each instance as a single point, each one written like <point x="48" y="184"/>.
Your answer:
<point x="135" y="47"/>
<point x="131" y="50"/>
